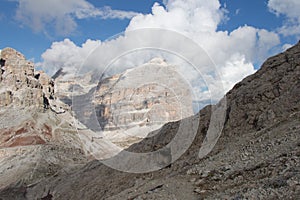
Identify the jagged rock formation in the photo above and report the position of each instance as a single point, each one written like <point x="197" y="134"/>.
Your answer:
<point x="20" y="86"/>
<point x="256" y="157"/>
<point x="24" y="88"/>
<point x="36" y="129"/>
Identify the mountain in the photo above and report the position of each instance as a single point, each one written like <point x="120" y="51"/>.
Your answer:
<point x="256" y="156"/>
<point x="127" y="106"/>
<point x="152" y="94"/>
<point x="39" y="134"/>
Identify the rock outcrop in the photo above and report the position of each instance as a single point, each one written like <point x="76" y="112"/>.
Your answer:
<point x="20" y="85"/>
<point x="266" y="97"/>
<point x="33" y="122"/>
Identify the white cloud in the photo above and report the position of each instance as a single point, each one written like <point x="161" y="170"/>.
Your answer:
<point x="40" y="15"/>
<point x="286" y="46"/>
<point x="234" y="53"/>
<point x="235" y="68"/>
<point x="290" y="9"/>
<point x="67" y="55"/>
<point x="184" y="16"/>
<point x="199" y="20"/>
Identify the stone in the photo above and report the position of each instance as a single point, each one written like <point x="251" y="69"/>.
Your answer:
<point x="199" y="182"/>
<point x="193" y="180"/>
<point x="20" y="84"/>
<point x="200" y="191"/>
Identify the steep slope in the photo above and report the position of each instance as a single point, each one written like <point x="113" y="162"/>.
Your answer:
<point x="256" y="157"/>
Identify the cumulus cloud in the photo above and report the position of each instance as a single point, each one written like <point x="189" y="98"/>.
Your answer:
<point x="289" y="9"/>
<point x="233" y="53"/>
<point x="40" y="15"/>
<point x="66" y="55"/>
<point x="235" y="68"/>
<point x="199" y="20"/>
<point x="184" y="16"/>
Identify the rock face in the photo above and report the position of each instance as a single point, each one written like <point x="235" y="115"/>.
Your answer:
<point x="266" y="97"/>
<point x="137" y="101"/>
<point x="256" y="157"/>
<point x="151" y="94"/>
<point x="20" y="85"/>
<point x="32" y="122"/>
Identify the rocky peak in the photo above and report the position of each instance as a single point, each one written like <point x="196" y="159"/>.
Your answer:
<point x="146" y="96"/>
<point x="9" y="54"/>
<point x="21" y="85"/>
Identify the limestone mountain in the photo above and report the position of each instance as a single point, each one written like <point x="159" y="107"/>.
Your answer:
<point x="127" y="106"/>
<point x="150" y="94"/>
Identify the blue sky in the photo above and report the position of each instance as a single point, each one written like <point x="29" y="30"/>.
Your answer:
<point x="238" y="34"/>
<point x="33" y="44"/>
<point x="255" y="13"/>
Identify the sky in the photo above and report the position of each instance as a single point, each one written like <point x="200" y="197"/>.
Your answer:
<point x="23" y="34"/>
<point x="238" y="35"/>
